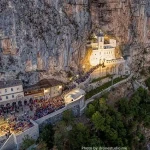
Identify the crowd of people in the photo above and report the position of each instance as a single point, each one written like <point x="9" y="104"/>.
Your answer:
<point x="16" y="124"/>
<point x="18" y="116"/>
<point x="44" y="107"/>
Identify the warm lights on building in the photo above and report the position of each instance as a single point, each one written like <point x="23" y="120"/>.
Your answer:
<point x="60" y="87"/>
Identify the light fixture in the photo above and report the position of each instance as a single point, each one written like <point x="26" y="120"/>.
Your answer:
<point x="60" y="87"/>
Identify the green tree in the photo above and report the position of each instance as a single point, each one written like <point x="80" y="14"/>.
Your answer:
<point x="98" y="121"/>
<point x="42" y="146"/>
<point x="47" y="135"/>
<point x="96" y="142"/>
<point x="90" y="110"/>
<point x="27" y="142"/>
<point x="68" y="116"/>
<point x="103" y="105"/>
<point x="79" y="136"/>
<point x="61" y="135"/>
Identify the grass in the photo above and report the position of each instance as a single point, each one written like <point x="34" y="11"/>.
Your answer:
<point x="100" y="78"/>
<point x="102" y="87"/>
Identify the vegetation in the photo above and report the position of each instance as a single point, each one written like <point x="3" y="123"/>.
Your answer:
<point x="122" y="126"/>
<point x="27" y="142"/>
<point x="100" y="78"/>
<point x="102" y="87"/>
<point x="147" y="82"/>
<point x="47" y="135"/>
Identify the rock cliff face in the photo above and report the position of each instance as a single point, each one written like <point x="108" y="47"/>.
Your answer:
<point x="47" y="38"/>
<point x="41" y="38"/>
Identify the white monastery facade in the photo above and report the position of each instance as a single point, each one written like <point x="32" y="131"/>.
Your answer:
<point x="103" y="52"/>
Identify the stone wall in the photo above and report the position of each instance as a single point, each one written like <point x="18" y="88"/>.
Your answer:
<point x="57" y="115"/>
<point x="32" y="132"/>
<point x="10" y="143"/>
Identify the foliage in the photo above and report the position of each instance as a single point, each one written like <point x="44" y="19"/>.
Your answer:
<point x="79" y="136"/>
<point x="61" y="135"/>
<point x="27" y="142"/>
<point x="90" y="110"/>
<point x="99" y="79"/>
<point x="102" y="87"/>
<point x="121" y="127"/>
<point x="47" y="136"/>
<point x="98" y="121"/>
<point x="68" y="116"/>
<point x="42" y="146"/>
<point x="147" y="82"/>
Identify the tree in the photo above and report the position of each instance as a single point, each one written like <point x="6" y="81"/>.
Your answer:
<point x="42" y="146"/>
<point x="47" y="135"/>
<point x="103" y="105"/>
<point x="68" y="116"/>
<point x="27" y="142"/>
<point x="112" y="134"/>
<point x="98" y="121"/>
<point x="61" y="135"/>
<point x="90" y="110"/>
<point x="96" y="142"/>
<point x="79" y="136"/>
<point x="108" y="119"/>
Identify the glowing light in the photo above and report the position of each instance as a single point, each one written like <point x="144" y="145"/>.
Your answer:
<point x="45" y="90"/>
<point x="60" y="87"/>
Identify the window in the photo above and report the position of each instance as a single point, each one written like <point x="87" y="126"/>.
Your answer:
<point x="11" y="89"/>
<point x="6" y="97"/>
<point x="12" y="96"/>
<point x="5" y="90"/>
<point x="17" y="88"/>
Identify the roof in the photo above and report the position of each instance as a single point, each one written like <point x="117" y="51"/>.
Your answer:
<point x="10" y="83"/>
<point x="74" y="95"/>
<point x="44" y="83"/>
